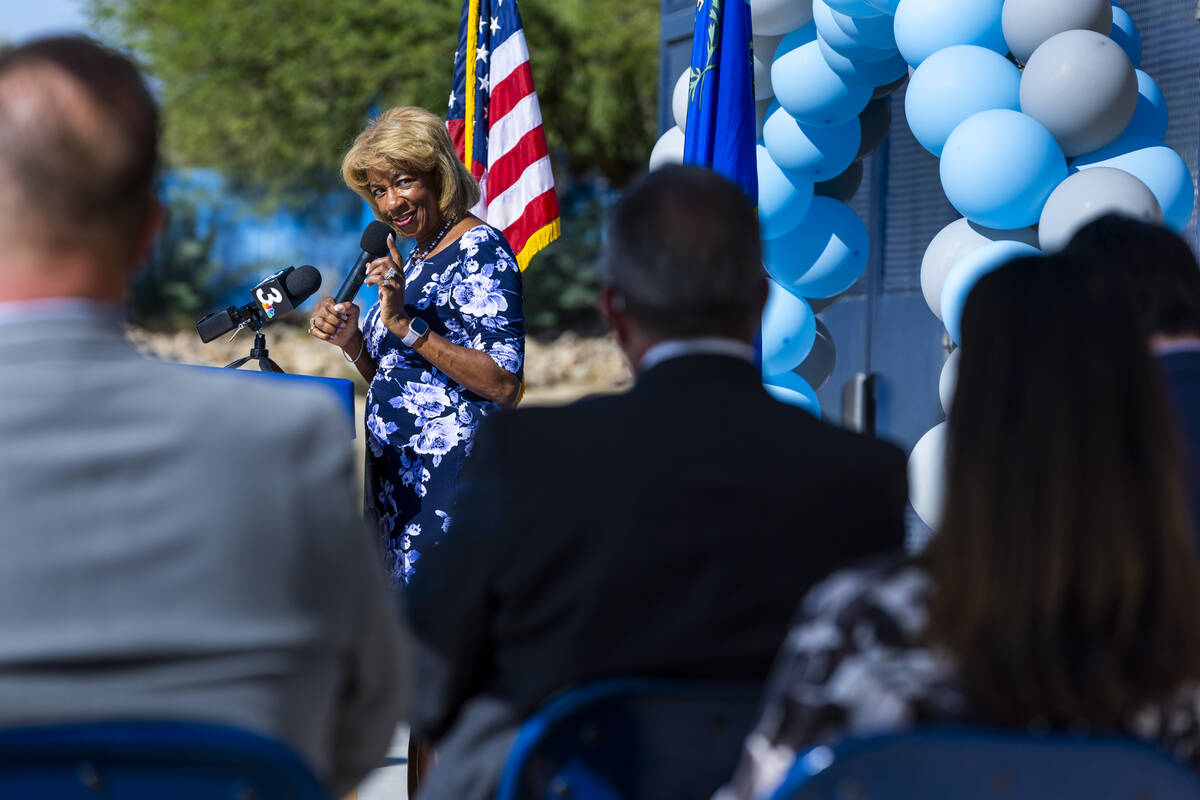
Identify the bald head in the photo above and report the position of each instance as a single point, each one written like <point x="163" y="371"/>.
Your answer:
<point x="78" y="148"/>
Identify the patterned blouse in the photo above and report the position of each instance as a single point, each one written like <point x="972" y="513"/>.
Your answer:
<point x="420" y="422"/>
<point x="854" y="663"/>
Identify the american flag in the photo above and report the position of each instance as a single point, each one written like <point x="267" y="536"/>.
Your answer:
<point x="496" y="124"/>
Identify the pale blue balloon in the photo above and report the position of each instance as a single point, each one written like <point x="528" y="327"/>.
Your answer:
<point x="954" y="83"/>
<point x="811" y="152"/>
<point x="811" y="91"/>
<point x="854" y="8"/>
<point x="783" y="200"/>
<point x="923" y="27"/>
<point x="1150" y="114"/>
<point x="790" y="388"/>
<point x="845" y="43"/>
<point x="967" y="271"/>
<point x="1157" y="166"/>
<point x="876" y="31"/>
<point x="789" y="329"/>
<point x="797" y="38"/>
<point x="886" y="6"/>
<point x="822" y="256"/>
<point x="864" y="73"/>
<point x="999" y="166"/>
<point x="1125" y="33"/>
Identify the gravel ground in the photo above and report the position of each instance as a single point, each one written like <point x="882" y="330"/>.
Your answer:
<point x="557" y="371"/>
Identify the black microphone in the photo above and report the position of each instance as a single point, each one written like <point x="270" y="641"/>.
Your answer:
<point x="373" y="245"/>
<point x="274" y="296"/>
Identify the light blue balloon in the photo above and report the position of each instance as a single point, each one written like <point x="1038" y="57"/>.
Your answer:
<point x="783" y="200"/>
<point x="789" y="329"/>
<point x="1150" y="114"/>
<point x="954" y="83"/>
<point x="822" y="256"/>
<point x="998" y="168"/>
<point x="876" y="31"/>
<point x="967" y="271"/>
<point x="790" y="388"/>
<point x="1125" y="33"/>
<point x="886" y="6"/>
<point x="811" y="91"/>
<point x="847" y="44"/>
<point x="796" y="39"/>
<point x="864" y="73"/>
<point x="923" y="27"/>
<point x="854" y="8"/>
<point x="1157" y="166"/>
<point x="811" y="152"/>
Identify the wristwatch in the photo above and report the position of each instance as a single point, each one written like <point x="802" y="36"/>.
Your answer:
<point x="418" y="329"/>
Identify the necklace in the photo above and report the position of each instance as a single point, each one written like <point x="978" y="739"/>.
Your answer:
<point x="415" y="259"/>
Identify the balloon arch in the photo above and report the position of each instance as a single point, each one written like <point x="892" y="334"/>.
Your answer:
<point x="1038" y="113"/>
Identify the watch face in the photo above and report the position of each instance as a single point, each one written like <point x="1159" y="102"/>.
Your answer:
<point x="418" y="326"/>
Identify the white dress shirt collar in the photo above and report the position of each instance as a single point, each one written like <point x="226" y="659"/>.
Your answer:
<point x="702" y="345"/>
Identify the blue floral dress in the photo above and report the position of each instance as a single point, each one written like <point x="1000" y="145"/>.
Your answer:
<point x="420" y="423"/>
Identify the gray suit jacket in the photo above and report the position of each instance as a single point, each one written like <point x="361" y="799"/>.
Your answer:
<point x="180" y="544"/>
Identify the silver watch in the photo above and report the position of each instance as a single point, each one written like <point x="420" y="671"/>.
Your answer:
<point x="418" y="329"/>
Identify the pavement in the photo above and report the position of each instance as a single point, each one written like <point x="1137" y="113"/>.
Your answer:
<point x="389" y="782"/>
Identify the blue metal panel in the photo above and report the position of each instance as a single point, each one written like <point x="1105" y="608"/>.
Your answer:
<point x="1171" y="56"/>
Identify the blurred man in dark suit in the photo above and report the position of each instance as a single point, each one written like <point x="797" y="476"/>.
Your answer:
<point x="670" y="531"/>
<point x="1160" y="272"/>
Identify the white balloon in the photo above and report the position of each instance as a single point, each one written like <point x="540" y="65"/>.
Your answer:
<point x="948" y="380"/>
<point x="679" y="100"/>
<point x="1028" y="23"/>
<point x="764" y="54"/>
<point x="777" y="17"/>
<point x="927" y="476"/>
<point x="952" y="243"/>
<point x="668" y="149"/>
<point x="1090" y="194"/>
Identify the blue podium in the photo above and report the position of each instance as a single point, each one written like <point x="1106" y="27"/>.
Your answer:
<point x="341" y="388"/>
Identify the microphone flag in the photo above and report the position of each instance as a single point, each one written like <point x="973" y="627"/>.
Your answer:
<point x="720" y="129"/>
<point x="496" y="125"/>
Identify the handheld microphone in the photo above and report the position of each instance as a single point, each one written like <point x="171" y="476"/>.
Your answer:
<point x="373" y="245"/>
<point x="274" y="296"/>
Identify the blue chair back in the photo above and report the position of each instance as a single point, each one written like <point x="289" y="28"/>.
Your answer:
<point x="633" y="740"/>
<point x="150" y="761"/>
<point x="978" y="764"/>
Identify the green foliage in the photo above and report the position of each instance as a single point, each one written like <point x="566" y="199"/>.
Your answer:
<point x="272" y="93"/>
<point x="561" y="282"/>
<point x="181" y="283"/>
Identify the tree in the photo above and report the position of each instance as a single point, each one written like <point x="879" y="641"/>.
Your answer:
<point x="272" y="93"/>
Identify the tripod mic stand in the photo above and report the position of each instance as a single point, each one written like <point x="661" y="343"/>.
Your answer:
<point x="258" y="351"/>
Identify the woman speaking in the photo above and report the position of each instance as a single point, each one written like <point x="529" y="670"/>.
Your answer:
<point x="445" y="343"/>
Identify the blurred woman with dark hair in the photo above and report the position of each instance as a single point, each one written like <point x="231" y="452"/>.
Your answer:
<point x="1063" y="589"/>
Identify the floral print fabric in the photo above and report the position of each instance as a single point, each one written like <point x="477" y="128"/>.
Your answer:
<point x="855" y="663"/>
<point x="420" y="423"/>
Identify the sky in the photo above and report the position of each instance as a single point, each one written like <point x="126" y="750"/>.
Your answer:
<point x="20" y="19"/>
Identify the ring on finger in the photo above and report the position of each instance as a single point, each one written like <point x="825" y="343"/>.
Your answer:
<point x="391" y="273"/>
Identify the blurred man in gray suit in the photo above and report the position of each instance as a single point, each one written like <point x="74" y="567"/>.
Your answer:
<point x="176" y="544"/>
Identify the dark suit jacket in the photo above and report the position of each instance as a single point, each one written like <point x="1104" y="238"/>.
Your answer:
<point x="669" y="531"/>
<point x="1182" y="369"/>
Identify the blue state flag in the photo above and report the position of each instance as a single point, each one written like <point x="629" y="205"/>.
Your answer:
<point x="720" y="129"/>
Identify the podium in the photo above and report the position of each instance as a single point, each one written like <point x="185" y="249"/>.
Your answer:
<point x="341" y="388"/>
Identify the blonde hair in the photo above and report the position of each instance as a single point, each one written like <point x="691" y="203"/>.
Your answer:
<point x="413" y="140"/>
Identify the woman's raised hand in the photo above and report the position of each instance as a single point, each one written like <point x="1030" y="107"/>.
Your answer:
<point x="334" y="323"/>
<point x="388" y="274"/>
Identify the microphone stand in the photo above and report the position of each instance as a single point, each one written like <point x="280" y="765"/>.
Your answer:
<point x="258" y="351"/>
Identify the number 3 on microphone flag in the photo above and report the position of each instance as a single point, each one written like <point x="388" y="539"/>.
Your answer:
<point x="496" y="124"/>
